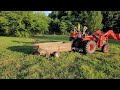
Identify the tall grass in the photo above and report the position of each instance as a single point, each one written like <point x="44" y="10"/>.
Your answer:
<point x="17" y="61"/>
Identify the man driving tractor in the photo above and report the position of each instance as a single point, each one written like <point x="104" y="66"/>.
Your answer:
<point x="77" y="32"/>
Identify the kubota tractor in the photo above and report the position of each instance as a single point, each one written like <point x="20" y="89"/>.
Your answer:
<point x="98" y="39"/>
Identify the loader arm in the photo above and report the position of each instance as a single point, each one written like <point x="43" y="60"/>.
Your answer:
<point x="110" y="34"/>
<point x="101" y="37"/>
<point x="105" y="36"/>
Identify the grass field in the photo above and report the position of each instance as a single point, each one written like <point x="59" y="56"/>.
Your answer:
<point x="17" y="62"/>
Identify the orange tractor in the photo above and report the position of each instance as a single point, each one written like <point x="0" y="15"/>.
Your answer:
<point x="89" y="43"/>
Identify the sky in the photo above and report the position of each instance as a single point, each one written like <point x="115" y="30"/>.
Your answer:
<point x="47" y="12"/>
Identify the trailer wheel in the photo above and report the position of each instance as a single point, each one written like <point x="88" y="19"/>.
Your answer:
<point x="89" y="47"/>
<point x="56" y="54"/>
<point x="105" y="48"/>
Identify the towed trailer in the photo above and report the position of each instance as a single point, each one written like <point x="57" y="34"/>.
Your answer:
<point x="51" y="48"/>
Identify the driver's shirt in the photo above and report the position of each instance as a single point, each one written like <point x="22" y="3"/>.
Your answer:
<point x="79" y="35"/>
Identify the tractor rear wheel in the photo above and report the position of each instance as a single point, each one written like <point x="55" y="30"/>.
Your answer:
<point x="89" y="47"/>
<point x="105" y="48"/>
<point x="77" y="43"/>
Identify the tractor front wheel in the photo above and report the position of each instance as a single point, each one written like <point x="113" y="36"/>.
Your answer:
<point x="105" y="48"/>
<point x="89" y="47"/>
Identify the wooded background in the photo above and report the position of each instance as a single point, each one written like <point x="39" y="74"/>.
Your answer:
<point x="28" y="23"/>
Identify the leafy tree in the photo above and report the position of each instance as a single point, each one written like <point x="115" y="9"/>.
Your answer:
<point x="70" y="26"/>
<point x="3" y="25"/>
<point x="23" y="23"/>
<point x="63" y="27"/>
<point x="110" y="20"/>
<point x="40" y="23"/>
<point x="55" y="26"/>
<point x="53" y="14"/>
<point x="94" y="21"/>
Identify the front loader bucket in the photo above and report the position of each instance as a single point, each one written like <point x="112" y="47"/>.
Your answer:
<point x="112" y="35"/>
<point x="118" y="36"/>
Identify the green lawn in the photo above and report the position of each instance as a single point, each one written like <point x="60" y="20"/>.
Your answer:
<point x="17" y="62"/>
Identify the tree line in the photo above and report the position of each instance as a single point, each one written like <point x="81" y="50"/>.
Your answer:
<point x="94" y="20"/>
<point x="28" y="23"/>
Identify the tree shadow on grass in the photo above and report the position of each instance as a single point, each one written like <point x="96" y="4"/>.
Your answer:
<point x="112" y="41"/>
<point x="22" y="49"/>
<point x="52" y="38"/>
<point x="46" y="41"/>
<point x="22" y="42"/>
<point x="37" y="41"/>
